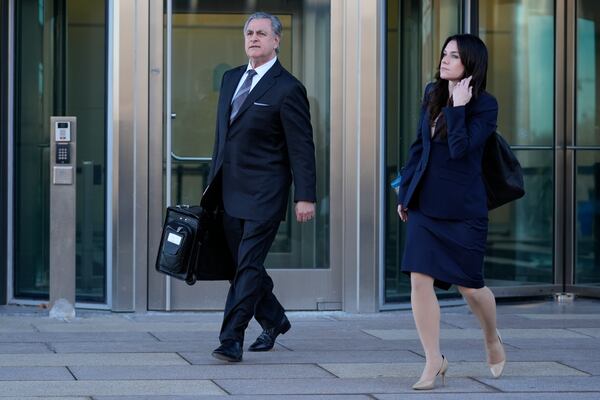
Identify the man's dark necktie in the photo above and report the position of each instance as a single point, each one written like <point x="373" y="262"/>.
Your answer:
<point x="241" y="95"/>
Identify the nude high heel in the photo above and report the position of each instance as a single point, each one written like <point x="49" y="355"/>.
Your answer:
<point x="430" y="384"/>
<point x="498" y="368"/>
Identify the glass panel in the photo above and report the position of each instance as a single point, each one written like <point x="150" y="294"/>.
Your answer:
<point x="520" y="40"/>
<point x="587" y="162"/>
<point x="416" y="30"/>
<point x="3" y="151"/>
<point x="587" y="206"/>
<point x="47" y="57"/>
<point x="86" y="68"/>
<point x="520" y="235"/>
<point x="34" y="103"/>
<point x="588" y="86"/>
<point x="198" y="65"/>
<point x="519" y="35"/>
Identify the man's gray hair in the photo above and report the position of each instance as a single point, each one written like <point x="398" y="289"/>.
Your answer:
<point x="275" y="23"/>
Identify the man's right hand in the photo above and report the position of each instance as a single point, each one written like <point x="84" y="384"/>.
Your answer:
<point x="403" y="213"/>
<point x="305" y="211"/>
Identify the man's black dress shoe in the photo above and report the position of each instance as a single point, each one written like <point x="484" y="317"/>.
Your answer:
<point x="266" y="340"/>
<point x="229" y="350"/>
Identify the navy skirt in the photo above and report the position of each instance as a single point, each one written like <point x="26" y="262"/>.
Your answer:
<point x="450" y="251"/>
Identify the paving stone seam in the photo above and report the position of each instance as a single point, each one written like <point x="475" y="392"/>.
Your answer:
<point x="566" y="391"/>
<point x="284" y="346"/>
<point x="154" y="336"/>
<point x="494" y="388"/>
<point x="71" y="372"/>
<point x="574" y="330"/>
<point x="258" y="364"/>
<point x="333" y="318"/>
<point x="226" y="379"/>
<point x="368" y="395"/>
<point x="214" y="381"/>
<point x="505" y="344"/>
<point x="35" y="328"/>
<point x="50" y="347"/>
<point x="184" y="359"/>
<point x="326" y="370"/>
<point x="416" y="353"/>
<point x="451" y="324"/>
<point x="371" y="335"/>
<point x="572" y="367"/>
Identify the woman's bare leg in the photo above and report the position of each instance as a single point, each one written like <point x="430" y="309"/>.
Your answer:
<point x="426" y="312"/>
<point x="483" y="305"/>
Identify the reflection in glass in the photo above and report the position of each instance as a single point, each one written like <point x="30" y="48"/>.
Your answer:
<point x="587" y="161"/>
<point x="416" y="30"/>
<point x="207" y="41"/>
<point x="520" y="39"/>
<point x="519" y="244"/>
<point x="588" y="67"/>
<point x="587" y="212"/>
<point x="34" y="103"/>
<point x="86" y="99"/>
<point x="59" y="42"/>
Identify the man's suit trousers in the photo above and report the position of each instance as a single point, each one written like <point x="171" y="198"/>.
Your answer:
<point x="251" y="291"/>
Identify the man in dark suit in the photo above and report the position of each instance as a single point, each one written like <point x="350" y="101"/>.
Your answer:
<point x="263" y="141"/>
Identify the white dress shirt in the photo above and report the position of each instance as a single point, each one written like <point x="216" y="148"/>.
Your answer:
<point x="260" y="72"/>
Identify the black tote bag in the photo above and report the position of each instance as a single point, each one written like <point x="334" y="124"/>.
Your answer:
<point x="502" y="173"/>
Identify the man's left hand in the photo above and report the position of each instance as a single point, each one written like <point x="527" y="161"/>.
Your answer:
<point x="305" y="211"/>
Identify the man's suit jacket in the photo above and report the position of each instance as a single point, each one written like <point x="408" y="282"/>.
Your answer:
<point x="444" y="179"/>
<point x="269" y="142"/>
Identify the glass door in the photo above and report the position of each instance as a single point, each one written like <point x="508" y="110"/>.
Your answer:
<point x="60" y="69"/>
<point x="202" y="40"/>
<point x="521" y="254"/>
<point x="3" y="145"/>
<point x="520" y="39"/>
<point x="585" y="149"/>
<point x="416" y="30"/>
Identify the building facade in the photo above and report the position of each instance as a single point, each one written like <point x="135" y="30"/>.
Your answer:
<point x="142" y="78"/>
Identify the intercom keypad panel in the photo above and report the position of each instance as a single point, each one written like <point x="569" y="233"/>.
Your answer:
<point x="63" y="153"/>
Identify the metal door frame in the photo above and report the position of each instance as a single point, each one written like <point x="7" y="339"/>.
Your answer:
<point x="173" y="291"/>
<point x="10" y="151"/>
<point x="4" y="20"/>
<point x="7" y="203"/>
<point x="564" y="239"/>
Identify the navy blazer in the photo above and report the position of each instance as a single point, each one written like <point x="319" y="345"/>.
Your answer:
<point x="269" y="143"/>
<point x="443" y="178"/>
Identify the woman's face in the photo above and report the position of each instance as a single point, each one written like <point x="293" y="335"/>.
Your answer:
<point x="451" y="67"/>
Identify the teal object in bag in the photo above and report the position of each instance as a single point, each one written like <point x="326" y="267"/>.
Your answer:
<point x="395" y="184"/>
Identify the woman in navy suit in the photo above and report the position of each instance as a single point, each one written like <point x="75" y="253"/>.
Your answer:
<point x="443" y="199"/>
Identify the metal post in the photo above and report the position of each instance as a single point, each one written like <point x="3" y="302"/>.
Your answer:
<point x="63" y="164"/>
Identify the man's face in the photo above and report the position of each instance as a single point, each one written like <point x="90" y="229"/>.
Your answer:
<point x="261" y="42"/>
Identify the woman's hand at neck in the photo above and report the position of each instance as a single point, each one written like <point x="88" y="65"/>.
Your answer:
<point x="460" y="91"/>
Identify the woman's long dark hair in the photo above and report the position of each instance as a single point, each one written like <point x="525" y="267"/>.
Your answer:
<point x="474" y="56"/>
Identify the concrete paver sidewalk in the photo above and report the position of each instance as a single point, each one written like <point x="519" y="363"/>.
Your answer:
<point x="553" y="353"/>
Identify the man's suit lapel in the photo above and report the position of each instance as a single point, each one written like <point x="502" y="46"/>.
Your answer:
<point x="265" y="83"/>
<point x="225" y="97"/>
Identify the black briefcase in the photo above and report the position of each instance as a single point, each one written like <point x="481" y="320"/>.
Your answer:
<point x="193" y="246"/>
